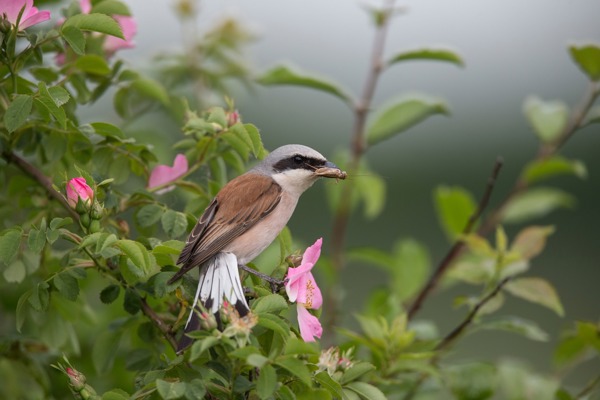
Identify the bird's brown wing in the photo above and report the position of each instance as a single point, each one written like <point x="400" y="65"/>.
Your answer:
<point x="239" y="205"/>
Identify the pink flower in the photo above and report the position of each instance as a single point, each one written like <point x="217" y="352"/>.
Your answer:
<point x="10" y="10"/>
<point x="129" y="28"/>
<point x="302" y="288"/>
<point x="77" y="189"/>
<point x="161" y="175"/>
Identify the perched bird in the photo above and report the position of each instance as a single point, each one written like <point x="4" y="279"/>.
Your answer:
<point x="242" y="220"/>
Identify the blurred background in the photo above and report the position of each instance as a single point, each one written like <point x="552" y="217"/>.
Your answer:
<point x="511" y="49"/>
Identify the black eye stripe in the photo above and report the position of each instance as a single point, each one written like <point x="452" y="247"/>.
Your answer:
<point x="298" y="161"/>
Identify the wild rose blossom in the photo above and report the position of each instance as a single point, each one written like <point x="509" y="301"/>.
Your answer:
<point x="302" y="288"/>
<point x="163" y="174"/>
<point x="77" y="188"/>
<point x="10" y="10"/>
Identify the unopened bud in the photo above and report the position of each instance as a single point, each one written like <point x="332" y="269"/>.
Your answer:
<point x="94" y="226"/>
<point x="207" y="320"/>
<point x="85" y="220"/>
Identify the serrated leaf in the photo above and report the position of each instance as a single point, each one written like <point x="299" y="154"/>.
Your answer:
<point x="366" y="391"/>
<point x="296" y="367"/>
<point x="94" y="22"/>
<point x="10" y="242"/>
<point x="170" y="390"/>
<point x="46" y="101"/>
<point x="107" y="130"/>
<point x="536" y="290"/>
<point x="356" y="371"/>
<point x="109" y="294"/>
<point x="67" y="285"/>
<point x="59" y="95"/>
<point x="535" y="203"/>
<point x="40" y="297"/>
<point x="283" y="75"/>
<point x="588" y="59"/>
<point x="531" y="241"/>
<point x="266" y="382"/>
<point x="454" y="206"/>
<point x="132" y="302"/>
<point x="200" y="346"/>
<point x="547" y="118"/>
<point x="111" y="7"/>
<point x="60" y="222"/>
<point x="402" y="115"/>
<point x="258" y="148"/>
<point x="137" y="254"/>
<point x="272" y="303"/>
<point x="92" y="64"/>
<point x="36" y="240"/>
<point x="174" y="223"/>
<point x="274" y="323"/>
<point x="75" y="38"/>
<point x="329" y="384"/>
<point x="523" y="327"/>
<point x="428" y="54"/>
<point x="149" y="215"/>
<point x="17" y="112"/>
<point x="546" y="168"/>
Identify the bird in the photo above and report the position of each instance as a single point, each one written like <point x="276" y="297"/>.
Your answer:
<point x="241" y="221"/>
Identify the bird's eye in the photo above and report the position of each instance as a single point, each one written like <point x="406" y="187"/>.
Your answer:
<point x="298" y="159"/>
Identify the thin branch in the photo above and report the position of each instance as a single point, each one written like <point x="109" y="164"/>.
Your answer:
<point x="458" y="245"/>
<point x="361" y="110"/>
<point x="159" y="323"/>
<point x="589" y="388"/>
<point x="42" y="179"/>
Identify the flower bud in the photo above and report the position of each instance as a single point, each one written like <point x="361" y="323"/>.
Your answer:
<point x="94" y="226"/>
<point x="207" y="321"/>
<point x="79" y="191"/>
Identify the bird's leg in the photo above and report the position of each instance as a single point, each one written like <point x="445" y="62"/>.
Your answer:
<point x="276" y="284"/>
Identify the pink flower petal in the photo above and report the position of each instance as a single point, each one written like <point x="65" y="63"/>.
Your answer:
<point x="86" y="6"/>
<point x="309" y="325"/>
<point x="34" y="17"/>
<point x="31" y="15"/>
<point x="163" y="174"/>
<point x="309" y="259"/>
<point x="77" y="188"/>
<point x="301" y="285"/>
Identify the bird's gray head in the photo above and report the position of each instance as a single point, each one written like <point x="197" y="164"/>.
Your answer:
<point x="293" y="166"/>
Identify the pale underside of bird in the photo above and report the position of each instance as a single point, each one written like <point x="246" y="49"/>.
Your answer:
<point x="242" y="220"/>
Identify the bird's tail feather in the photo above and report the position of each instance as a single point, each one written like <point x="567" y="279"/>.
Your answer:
<point x="219" y="279"/>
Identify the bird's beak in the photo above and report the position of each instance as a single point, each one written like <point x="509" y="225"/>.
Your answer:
<point x="330" y="170"/>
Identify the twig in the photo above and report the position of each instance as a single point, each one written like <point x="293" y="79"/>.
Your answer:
<point x="42" y="179"/>
<point x="159" y="323"/>
<point x="361" y="110"/>
<point x="588" y="388"/>
<point x="459" y="244"/>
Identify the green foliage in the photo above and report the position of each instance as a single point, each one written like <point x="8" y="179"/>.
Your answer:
<point x="90" y="278"/>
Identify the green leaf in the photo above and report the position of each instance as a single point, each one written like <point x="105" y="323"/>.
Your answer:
<point x="535" y="203"/>
<point x="151" y="89"/>
<point x="46" y="101"/>
<point x="59" y="95"/>
<point x="526" y="328"/>
<point x="149" y="215"/>
<point x="60" y="222"/>
<point x="283" y="75"/>
<point x="548" y="119"/>
<point x="174" y="223"/>
<point x="92" y="64"/>
<point x="300" y="347"/>
<point x="272" y="303"/>
<point x="10" y="242"/>
<point x="111" y="7"/>
<point x="94" y="22"/>
<point x="296" y="367"/>
<point x="428" y="54"/>
<point x="138" y="255"/>
<point x="109" y="294"/>
<point x="454" y="206"/>
<point x="170" y="390"/>
<point x="67" y="285"/>
<point x="410" y="268"/>
<point x="371" y="188"/>
<point x="132" y="302"/>
<point x="107" y="130"/>
<point x="15" y="272"/>
<point x="274" y="323"/>
<point x="531" y="241"/>
<point x="266" y="382"/>
<point x="200" y="346"/>
<point x="356" y="371"/>
<point x="40" y="297"/>
<point x="474" y="381"/>
<point x="402" y="115"/>
<point x="546" y="168"/>
<point x="17" y="112"/>
<point x="36" y="240"/>
<point x="75" y="38"/>
<point x="116" y="394"/>
<point x="328" y="383"/>
<point x="536" y="290"/>
<point x="106" y="345"/>
<point x="196" y="389"/>
<point x="258" y="148"/>
<point x="588" y="59"/>
<point x="20" y="312"/>
<point x="366" y="391"/>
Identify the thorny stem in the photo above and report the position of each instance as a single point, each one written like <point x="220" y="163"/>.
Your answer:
<point x="545" y="150"/>
<point x="458" y="245"/>
<point x="46" y="183"/>
<point x="361" y="111"/>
